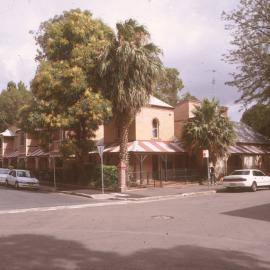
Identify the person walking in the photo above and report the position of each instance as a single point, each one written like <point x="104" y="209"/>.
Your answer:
<point x="212" y="175"/>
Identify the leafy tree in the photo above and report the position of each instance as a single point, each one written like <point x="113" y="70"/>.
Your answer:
<point x="187" y="95"/>
<point x="258" y="117"/>
<point x="249" y="24"/>
<point x="12" y="99"/>
<point x="168" y="86"/>
<point x="129" y="68"/>
<point x="209" y="129"/>
<point x="65" y="83"/>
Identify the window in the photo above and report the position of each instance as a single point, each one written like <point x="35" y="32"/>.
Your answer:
<point x="258" y="173"/>
<point x="155" y="128"/>
<point x="22" y="138"/>
<point x="23" y="174"/>
<point x="240" y="173"/>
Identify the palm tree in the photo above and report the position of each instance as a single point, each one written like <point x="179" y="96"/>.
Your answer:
<point x="129" y="69"/>
<point x="209" y="129"/>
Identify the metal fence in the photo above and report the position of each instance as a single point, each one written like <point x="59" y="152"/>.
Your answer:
<point x="150" y="178"/>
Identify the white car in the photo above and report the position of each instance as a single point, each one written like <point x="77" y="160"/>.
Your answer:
<point x="251" y="179"/>
<point x="21" y="178"/>
<point x="3" y="175"/>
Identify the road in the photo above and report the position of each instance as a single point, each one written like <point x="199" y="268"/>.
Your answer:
<point x="221" y="231"/>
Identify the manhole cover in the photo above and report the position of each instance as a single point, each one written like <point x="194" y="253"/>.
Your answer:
<point x="162" y="217"/>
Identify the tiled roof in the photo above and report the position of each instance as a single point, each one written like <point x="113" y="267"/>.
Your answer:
<point x="245" y="134"/>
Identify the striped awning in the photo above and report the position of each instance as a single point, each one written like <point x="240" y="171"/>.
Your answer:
<point x="37" y="152"/>
<point x="248" y="149"/>
<point x="11" y="154"/>
<point x="149" y="147"/>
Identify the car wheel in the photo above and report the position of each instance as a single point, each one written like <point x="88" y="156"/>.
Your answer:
<point x="16" y="185"/>
<point x="254" y="187"/>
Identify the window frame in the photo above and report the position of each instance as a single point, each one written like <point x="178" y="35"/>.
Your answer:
<point x="155" y="128"/>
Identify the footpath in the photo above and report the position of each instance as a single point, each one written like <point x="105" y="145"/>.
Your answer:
<point x="147" y="193"/>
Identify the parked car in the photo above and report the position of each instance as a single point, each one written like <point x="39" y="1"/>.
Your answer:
<point x="251" y="179"/>
<point x="3" y="175"/>
<point x="21" y="178"/>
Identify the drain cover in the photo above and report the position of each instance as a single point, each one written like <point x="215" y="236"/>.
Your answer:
<point x="162" y="217"/>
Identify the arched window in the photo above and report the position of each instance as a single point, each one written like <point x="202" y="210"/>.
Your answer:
<point x="155" y="128"/>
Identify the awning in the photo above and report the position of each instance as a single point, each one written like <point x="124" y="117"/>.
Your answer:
<point x="37" y="152"/>
<point x="11" y="154"/>
<point x="247" y="149"/>
<point x="149" y="147"/>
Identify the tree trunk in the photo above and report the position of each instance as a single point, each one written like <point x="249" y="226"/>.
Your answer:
<point x="123" y="155"/>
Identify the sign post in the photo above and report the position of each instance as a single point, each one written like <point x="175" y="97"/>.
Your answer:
<point x="206" y="155"/>
<point x="100" y="151"/>
<point x="54" y="179"/>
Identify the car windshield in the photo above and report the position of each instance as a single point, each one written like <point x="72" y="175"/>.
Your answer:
<point x="4" y="171"/>
<point x="240" y="173"/>
<point x="23" y="174"/>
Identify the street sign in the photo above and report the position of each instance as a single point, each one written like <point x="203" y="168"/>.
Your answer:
<point x="100" y="150"/>
<point x="205" y="153"/>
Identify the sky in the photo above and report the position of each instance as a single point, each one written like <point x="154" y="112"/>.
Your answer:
<point x="190" y="33"/>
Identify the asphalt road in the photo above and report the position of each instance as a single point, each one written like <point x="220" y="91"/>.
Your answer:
<point x="221" y="231"/>
<point x="11" y="198"/>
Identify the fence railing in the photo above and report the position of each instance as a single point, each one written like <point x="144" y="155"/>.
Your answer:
<point x="157" y="178"/>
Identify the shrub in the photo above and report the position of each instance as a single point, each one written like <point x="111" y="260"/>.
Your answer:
<point x="109" y="175"/>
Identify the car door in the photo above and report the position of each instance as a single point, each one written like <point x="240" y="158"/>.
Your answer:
<point x="12" y="178"/>
<point x="9" y="177"/>
<point x="260" y="178"/>
<point x="264" y="179"/>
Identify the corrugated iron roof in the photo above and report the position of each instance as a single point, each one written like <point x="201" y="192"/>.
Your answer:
<point x="157" y="102"/>
<point x="248" y="149"/>
<point x="37" y="152"/>
<point x="149" y="147"/>
<point x="246" y="134"/>
<point x="11" y="154"/>
<point x="7" y="133"/>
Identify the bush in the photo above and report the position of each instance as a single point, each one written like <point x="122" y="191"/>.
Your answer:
<point x="109" y="175"/>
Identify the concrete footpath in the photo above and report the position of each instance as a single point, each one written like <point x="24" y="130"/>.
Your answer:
<point x="139" y="194"/>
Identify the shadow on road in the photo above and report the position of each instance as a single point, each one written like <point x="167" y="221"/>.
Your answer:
<point x="260" y="212"/>
<point x="234" y="190"/>
<point x="40" y="252"/>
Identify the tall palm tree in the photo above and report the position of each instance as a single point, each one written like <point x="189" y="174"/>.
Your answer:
<point x="209" y="129"/>
<point x="129" y="69"/>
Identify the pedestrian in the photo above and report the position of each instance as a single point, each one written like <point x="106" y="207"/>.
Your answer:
<point x="212" y="175"/>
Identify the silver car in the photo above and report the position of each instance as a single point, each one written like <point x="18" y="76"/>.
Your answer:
<point x="3" y="175"/>
<point x="21" y="178"/>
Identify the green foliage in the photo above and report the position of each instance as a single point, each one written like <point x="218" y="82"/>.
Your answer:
<point x="129" y="69"/>
<point x="110" y="177"/>
<point x="187" y="95"/>
<point x="169" y="86"/>
<point x="209" y="129"/>
<point x="249" y="24"/>
<point x="258" y="117"/>
<point x="65" y="86"/>
<point x="12" y="100"/>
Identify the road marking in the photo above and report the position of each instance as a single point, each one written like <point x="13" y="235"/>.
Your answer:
<point x="122" y="202"/>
